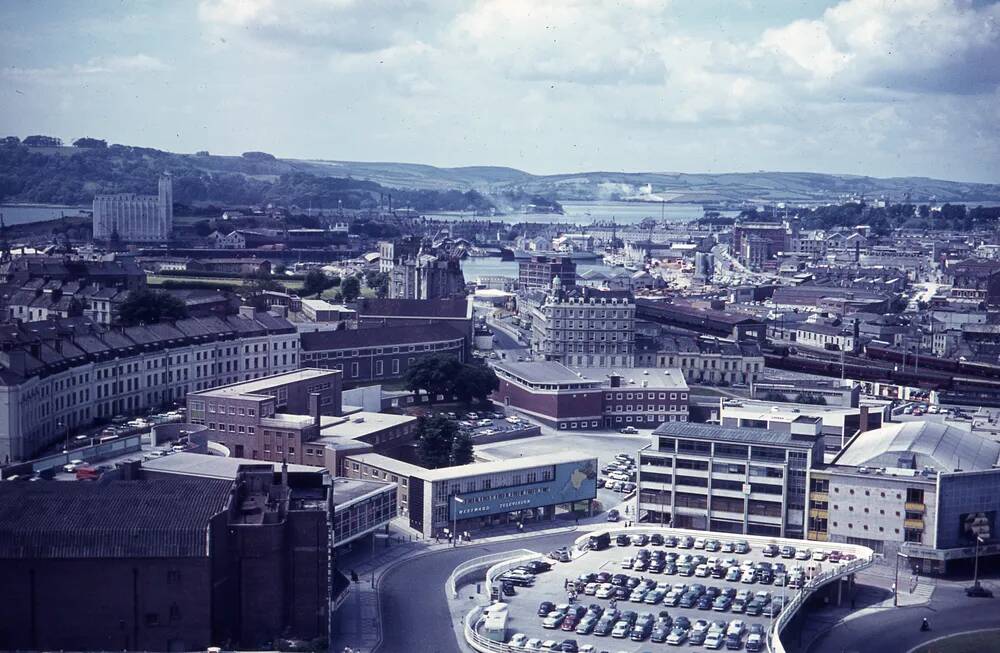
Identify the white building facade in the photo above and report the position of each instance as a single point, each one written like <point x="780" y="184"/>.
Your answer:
<point x="136" y="218"/>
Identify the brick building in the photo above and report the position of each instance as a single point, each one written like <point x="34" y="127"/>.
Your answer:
<point x="592" y="398"/>
<point x="380" y="355"/>
<point x="164" y="565"/>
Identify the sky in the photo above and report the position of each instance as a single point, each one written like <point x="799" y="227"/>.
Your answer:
<point x="872" y="87"/>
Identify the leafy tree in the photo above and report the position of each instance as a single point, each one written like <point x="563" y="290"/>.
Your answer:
<point x="475" y="382"/>
<point x="145" y="306"/>
<point x="377" y="281"/>
<point x="86" y="142"/>
<point x="259" y="281"/>
<point x="202" y="228"/>
<point x="461" y="449"/>
<point x="434" y="374"/>
<point x="315" y="283"/>
<point x="280" y="268"/>
<point x="810" y="398"/>
<point x="434" y="444"/>
<point x="351" y="289"/>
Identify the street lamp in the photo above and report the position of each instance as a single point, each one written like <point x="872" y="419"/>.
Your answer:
<point x="895" y="586"/>
<point x="975" y="566"/>
<point x="454" y="524"/>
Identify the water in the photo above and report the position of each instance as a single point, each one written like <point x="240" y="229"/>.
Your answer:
<point x="25" y="213"/>
<point x="585" y="213"/>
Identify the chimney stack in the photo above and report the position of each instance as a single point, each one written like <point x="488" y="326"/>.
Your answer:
<point x="314" y="407"/>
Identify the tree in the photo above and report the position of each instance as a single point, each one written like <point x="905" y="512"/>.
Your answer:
<point x="280" y="268"/>
<point x="810" y="398"/>
<point x="377" y="281"/>
<point x="315" y="283"/>
<point x="90" y="143"/>
<point x="434" y="444"/>
<point x="475" y="382"/>
<point x="435" y="374"/>
<point x="461" y="449"/>
<point x="145" y="306"/>
<point x="259" y="281"/>
<point x="351" y="288"/>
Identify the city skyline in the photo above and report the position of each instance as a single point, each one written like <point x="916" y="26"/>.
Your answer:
<point x="854" y="87"/>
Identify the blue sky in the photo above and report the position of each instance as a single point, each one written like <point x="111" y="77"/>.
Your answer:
<point x="876" y="87"/>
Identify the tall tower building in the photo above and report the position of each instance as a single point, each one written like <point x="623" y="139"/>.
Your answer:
<point x="136" y="218"/>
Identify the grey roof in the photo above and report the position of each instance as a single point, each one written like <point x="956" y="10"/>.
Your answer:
<point x="346" y="490"/>
<point x="915" y="445"/>
<point x="119" y="519"/>
<point x="542" y="372"/>
<point x="741" y="435"/>
<point x="209" y="466"/>
<point x="452" y="307"/>
<point x="401" y="335"/>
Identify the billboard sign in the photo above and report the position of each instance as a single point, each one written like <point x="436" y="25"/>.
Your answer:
<point x="978" y="525"/>
<point x="573" y="481"/>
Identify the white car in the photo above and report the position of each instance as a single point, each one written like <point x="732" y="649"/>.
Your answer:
<point x="604" y="591"/>
<point x="70" y="468"/>
<point x="621" y="630"/>
<point x="736" y="627"/>
<point x="701" y="571"/>
<point x="803" y="554"/>
<point x="550" y="645"/>
<point x="518" y="640"/>
<point x="553" y="620"/>
<point x="588" y="648"/>
<point x="747" y="577"/>
<point x="699" y="543"/>
<point x="819" y="555"/>
<point x="715" y="640"/>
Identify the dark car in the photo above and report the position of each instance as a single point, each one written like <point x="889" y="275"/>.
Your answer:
<point x="619" y="579"/>
<point x="734" y="642"/>
<point x="604" y="626"/>
<point x="641" y="631"/>
<point x="508" y="588"/>
<point x="623" y="540"/>
<point x="660" y="633"/>
<point x="754" y="608"/>
<point x="538" y="566"/>
<point x="545" y="607"/>
<point x="656" y="539"/>
<point x="770" y="550"/>
<point x="669" y="540"/>
<point x="641" y="540"/>
<point x="569" y="646"/>
<point x="603" y="577"/>
<point x="705" y="602"/>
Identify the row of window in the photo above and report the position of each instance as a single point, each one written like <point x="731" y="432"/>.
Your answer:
<point x="609" y="396"/>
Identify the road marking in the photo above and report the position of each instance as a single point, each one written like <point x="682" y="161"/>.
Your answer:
<point x="964" y="632"/>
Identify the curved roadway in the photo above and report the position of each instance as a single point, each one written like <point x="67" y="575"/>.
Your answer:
<point x="415" y="613"/>
<point x="898" y="629"/>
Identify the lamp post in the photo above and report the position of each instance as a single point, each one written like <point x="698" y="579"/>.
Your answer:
<point x="454" y="523"/>
<point x="895" y="586"/>
<point x="975" y="565"/>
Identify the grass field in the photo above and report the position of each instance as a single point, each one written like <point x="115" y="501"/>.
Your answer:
<point x="158" y="279"/>
<point x="987" y="641"/>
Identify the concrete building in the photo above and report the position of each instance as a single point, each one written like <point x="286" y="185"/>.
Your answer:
<point x="539" y="271"/>
<point x="426" y="276"/>
<point x="136" y="218"/>
<point x="924" y="488"/>
<point x="470" y="497"/>
<point x="592" y="398"/>
<point x="585" y="327"/>
<point x="833" y="392"/>
<point x="826" y="336"/>
<point x="730" y="480"/>
<point x="62" y="375"/>
<point x="165" y="565"/>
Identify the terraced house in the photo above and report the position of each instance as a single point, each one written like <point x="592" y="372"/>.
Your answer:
<point x="60" y="375"/>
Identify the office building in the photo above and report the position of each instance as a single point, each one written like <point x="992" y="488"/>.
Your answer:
<point x="705" y="360"/>
<point x="474" y="496"/>
<point x="585" y="327"/>
<point x="925" y="489"/>
<point x="827" y="392"/>
<point x="730" y="480"/>
<point x="592" y="398"/>
<point x="136" y="218"/>
<point x="539" y="271"/>
<point x="58" y="376"/>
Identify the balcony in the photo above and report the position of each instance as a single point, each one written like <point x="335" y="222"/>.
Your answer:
<point x="917" y="524"/>
<point x="915" y="507"/>
<point x="818" y="536"/>
<point x="819" y="496"/>
<point x="819" y="514"/>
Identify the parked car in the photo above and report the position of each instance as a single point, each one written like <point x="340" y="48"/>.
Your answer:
<point x="629" y="430"/>
<point x="554" y="619"/>
<point x="613" y="515"/>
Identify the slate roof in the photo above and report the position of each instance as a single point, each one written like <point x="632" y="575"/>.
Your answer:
<point x="118" y="519"/>
<point x="354" y="338"/>
<point x="454" y="307"/>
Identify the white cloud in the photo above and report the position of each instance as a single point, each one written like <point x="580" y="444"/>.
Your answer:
<point x="96" y="67"/>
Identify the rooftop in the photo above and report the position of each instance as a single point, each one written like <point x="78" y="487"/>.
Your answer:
<point x="920" y="444"/>
<point x="741" y="435"/>
<point x="259" y="386"/>
<point x="117" y="519"/>
<point x="472" y="469"/>
<point x="454" y="307"/>
<point x="348" y="490"/>
<point x="209" y="466"/>
<point x="400" y="335"/>
<point x="362" y="423"/>
<point x="542" y="372"/>
<point x="781" y="411"/>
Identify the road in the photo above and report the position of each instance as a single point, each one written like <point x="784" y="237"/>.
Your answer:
<point x="415" y="614"/>
<point x="898" y="629"/>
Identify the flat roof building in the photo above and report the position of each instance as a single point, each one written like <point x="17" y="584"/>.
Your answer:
<point x="477" y="495"/>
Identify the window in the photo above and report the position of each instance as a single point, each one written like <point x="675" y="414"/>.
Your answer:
<point x="378" y="368"/>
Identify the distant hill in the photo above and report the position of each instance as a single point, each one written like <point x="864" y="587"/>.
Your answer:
<point x="73" y="175"/>
<point x="670" y="186"/>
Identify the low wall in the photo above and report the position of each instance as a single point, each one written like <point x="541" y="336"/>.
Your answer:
<point x="503" y="436"/>
<point x="486" y="562"/>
